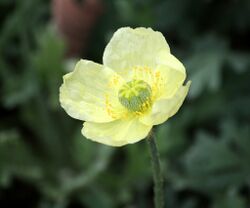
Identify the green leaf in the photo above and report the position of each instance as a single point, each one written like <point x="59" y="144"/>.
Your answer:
<point x="205" y="65"/>
<point x="16" y="159"/>
<point x="229" y="200"/>
<point x="211" y="165"/>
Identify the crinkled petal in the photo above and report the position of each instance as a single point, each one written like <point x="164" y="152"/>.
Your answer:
<point x="165" y="108"/>
<point x="84" y="91"/>
<point x="171" y="61"/>
<point x="134" y="47"/>
<point x="171" y="75"/>
<point x="116" y="133"/>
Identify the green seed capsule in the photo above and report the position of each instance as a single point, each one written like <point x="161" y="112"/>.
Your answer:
<point x="135" y="95"/>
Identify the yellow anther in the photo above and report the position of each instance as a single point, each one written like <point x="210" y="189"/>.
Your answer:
<point x="109" y="107"/>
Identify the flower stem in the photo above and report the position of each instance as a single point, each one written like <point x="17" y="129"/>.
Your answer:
<point x="157" y="175"/>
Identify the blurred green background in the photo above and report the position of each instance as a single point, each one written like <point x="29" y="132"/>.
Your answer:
<point x="205" y="149"/>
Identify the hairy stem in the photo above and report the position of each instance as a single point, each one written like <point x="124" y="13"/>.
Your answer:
<point x="157" y="175"/>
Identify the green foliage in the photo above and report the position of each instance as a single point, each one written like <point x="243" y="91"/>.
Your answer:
<point x="204" y="148"/>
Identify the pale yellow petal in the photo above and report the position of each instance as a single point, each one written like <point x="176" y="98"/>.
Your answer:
<point x="169" y="76"/>
<point x="134" y="47"/>
<point x="84" y="91"/>
<point x="116" y="133"/>
<point x="165" y="108"/>
<point x="171" y="61"/>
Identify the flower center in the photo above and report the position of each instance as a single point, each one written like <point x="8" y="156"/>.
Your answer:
<point x="135" y="95"/>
